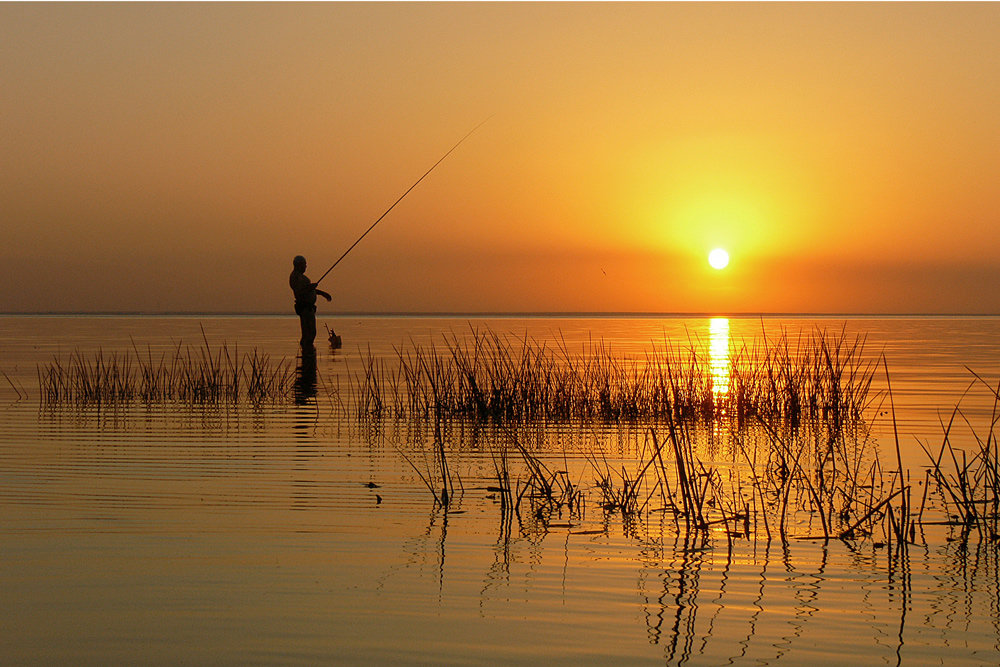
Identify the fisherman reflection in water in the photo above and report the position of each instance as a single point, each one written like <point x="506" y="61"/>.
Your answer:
<point x="305" y="301"/>
<point x="305" y="378"/>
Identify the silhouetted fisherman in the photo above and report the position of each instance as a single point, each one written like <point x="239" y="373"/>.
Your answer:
<point x="305" y="300"/>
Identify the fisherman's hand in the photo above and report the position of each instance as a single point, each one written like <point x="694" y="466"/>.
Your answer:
<point x="324" y="295"/>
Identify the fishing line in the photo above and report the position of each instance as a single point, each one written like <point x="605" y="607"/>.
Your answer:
<point x="401" y="198"/>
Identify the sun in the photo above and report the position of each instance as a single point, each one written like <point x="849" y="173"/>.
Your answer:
<point x="718" y="258"/>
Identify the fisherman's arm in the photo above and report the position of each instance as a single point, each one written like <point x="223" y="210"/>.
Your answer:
<point x="322" y="293"/>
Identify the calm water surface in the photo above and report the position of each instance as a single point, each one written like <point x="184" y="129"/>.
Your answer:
<point x="289" y="533"/>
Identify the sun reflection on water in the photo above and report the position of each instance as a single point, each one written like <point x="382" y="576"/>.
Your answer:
<point x="718" y="350"/>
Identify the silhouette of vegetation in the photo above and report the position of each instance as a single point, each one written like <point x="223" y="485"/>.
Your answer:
<point x="196" y="375"/>
<point x="486" y="376"/>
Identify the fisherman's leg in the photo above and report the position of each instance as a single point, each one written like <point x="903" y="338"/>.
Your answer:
<point x="304" y="326"/>
<point x="308" y="318"/>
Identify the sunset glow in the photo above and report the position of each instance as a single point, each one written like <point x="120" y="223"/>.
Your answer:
<point x="844" y="152"/>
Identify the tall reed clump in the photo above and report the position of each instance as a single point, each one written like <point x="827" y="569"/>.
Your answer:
<point x="195" y="375"/>
<point x="818" y="374"/>
<point x="969" y="481"/>
<point x="488" y="376"/>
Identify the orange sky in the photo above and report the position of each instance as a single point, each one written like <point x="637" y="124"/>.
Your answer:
<point x="174" y="157"/>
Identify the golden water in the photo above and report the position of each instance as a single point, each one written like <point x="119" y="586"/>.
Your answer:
<point x="174" y="534"/>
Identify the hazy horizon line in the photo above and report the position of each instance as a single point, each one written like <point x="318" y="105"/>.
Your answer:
<point x="492" y="314"/>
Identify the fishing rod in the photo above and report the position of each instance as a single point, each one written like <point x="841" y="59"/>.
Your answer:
<point x="401" y="198"/>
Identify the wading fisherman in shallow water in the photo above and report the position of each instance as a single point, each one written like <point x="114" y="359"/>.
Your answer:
<point x="305" y="300"/>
